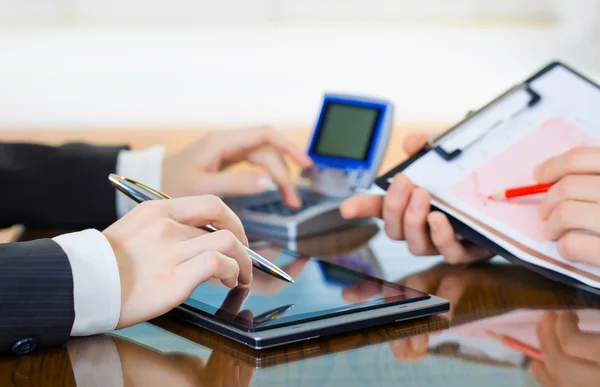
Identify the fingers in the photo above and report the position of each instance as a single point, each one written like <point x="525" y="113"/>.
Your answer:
<point x="414" y="142"/>
<point x="258" y="137"/>
<point x="579" y="160"/>
<point x="451" y="288"/>
<point x="269" y="159"/>
<point x="564" y="369"/>
<point x="246" y="317"/>
<point x="572" y="215"/>
<point x="362" y="206"/>
<point x="233" y="303"/>
<point x="408" y="349"/>
<point x="574" y="342"/>
<point x="395" y="205"/>
<point x="444" y="240"/>
<point x="224" y="242"/>
<point x="416" y="229"/>
<point x="573" y="187"/>
<point x="235" y="182"/>
<point x="199" y="211"/>
<point x="246" y="374"/>
<point x="579" y="247"/>
<point x="211" y="264"/>
<point x="549" y="343"/>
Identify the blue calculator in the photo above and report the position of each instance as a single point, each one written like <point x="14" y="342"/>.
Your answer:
<point x="347" y="147"/>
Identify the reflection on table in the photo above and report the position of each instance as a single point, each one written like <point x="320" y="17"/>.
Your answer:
<point x="455" y="349"/>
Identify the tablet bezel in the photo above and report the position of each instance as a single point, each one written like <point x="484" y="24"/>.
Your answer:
<point x="317" y="328"/>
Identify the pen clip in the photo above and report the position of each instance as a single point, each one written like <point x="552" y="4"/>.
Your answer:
<point x="122" y="184"/>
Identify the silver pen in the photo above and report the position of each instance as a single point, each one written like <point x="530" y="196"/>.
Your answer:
<point x="141" y="193"/>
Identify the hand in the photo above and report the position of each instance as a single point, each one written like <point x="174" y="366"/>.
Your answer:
<point x="406" y="212"/>
<point x="571" y="357"/>
<point x="573" y="203"/>
<point x="144" y="366"/>
<point x="163" y="256"/>
<point x="201" y="168"/>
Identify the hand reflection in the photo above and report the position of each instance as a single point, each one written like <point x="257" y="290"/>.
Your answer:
<point x="571" y="357"/>
<point x="445" y="281"/>
<point x="230" y="309"/>
<point x="144" y="366"/>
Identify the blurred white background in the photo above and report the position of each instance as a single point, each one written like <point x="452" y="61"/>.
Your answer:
<point x="77" y="64"/>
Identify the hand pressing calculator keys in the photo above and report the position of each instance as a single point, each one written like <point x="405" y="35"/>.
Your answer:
<point x="347" y="147"/>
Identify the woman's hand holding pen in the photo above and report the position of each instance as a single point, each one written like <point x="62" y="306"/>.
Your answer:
<point x="162" y="255"/>
<point x="573" y="203"/>
<point x="202" y="167"/>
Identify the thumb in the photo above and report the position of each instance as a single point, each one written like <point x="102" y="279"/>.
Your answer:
<point x="414" y="142"/>
<point x="234" y="182"/>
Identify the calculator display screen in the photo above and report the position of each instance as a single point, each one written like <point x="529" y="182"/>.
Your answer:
<point x="346" y="131"/>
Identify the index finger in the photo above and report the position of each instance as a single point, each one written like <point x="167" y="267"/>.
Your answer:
<point x="254" y="138"/>
<point x="579" y="160"/>
<point x="574" y="342"/>
<point x="199" y="211"/>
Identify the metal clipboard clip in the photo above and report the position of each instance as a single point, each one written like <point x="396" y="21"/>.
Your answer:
<point x="476" y="126"/>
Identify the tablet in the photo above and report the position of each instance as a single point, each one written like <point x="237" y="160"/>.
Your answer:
<point x="326" y="299"/>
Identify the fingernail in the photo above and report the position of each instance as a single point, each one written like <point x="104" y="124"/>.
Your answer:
<point x="435" y="226"/>
<point x="264" y="182"/>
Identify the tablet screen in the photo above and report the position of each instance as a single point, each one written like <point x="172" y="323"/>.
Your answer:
<point x="321" y="290"/>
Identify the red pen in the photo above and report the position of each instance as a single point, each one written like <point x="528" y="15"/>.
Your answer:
<point x="517" y="345"/>
<point x="521" y="191"/>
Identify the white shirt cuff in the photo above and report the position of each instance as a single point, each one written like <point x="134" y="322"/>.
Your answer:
<point x="96" y="282"/>
<point x="95" y="361"/>
<point x="144" y="166"/>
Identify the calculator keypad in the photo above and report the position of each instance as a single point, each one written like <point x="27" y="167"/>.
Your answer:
<point x="277" y="207"/>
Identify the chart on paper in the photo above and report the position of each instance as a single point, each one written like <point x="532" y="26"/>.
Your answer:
<point x="514" y="167"/>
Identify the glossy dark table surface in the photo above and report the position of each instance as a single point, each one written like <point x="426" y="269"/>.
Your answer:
<point x="454" y="349"/>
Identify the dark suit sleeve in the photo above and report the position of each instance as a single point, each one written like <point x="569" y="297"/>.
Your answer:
<point x="57" y="187"/>
<point x="36" y="296"/>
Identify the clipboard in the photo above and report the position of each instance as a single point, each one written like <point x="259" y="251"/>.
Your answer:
<point x="503" y="112"/>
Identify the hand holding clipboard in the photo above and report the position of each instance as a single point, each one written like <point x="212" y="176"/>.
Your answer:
<point x="406" y="211"/>
<point x="499" y="147"/>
